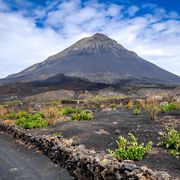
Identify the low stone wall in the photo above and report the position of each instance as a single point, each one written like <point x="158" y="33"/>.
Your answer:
<point x="80" y="162"/>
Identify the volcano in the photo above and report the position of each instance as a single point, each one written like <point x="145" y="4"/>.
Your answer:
<point x="98" y="59"/>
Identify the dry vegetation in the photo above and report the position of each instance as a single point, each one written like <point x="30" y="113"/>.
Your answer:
<point x="52" y="114"/>
<point x="39" y="115"/>
<point x="3" y="111"/>
<point x="152" y="107"/>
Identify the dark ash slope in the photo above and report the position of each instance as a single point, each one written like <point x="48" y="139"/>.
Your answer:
<point x="99" y="59"/>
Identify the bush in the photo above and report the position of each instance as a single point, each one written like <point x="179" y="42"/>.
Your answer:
<point x="130" y="150"/>
<point x="31" y="121"/>
<point x="17" y="115"/>
<point x="171" y="141"/>
<point x="70" y="110"/>
<point x="168" y="107"/>
<point x="83" y="115"/>
<point x="11" y="115"/>
<point x="136" y="111"/>
<point x="113" y="105"/>
<point x="77" y="114"/>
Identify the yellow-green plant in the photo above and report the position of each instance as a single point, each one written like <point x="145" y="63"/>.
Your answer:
<point x="31" y="121"/>
<point x="70" y="110"/>
<point x="168" y="107"/>
<point x="17" y="115"/>
<point x="113" y="105"/>
<point x="56" y="134"/>
<point x="171" y="141"/>
<point x="83" y="115"/>
<point x="136" y="111"/>
<point x="130" y="150"/>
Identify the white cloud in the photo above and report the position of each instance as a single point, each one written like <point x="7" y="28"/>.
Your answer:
<point x="23" y="43"/>
<point x="114" y="10"/>
<point x="132" y="10"/>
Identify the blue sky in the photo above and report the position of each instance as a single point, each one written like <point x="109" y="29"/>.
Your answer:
<point x="30" y="31"/>
<point x="170" y="5"/>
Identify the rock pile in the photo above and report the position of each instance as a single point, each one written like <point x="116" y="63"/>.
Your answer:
<point x="83" y="163"/>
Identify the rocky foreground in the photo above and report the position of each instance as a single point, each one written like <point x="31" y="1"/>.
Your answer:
<point x="80" y="162"/>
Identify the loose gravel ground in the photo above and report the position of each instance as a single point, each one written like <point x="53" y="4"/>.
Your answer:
<point x="101" y="134"/>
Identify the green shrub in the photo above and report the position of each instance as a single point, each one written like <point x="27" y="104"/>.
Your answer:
<point x="113" y="105"/>
<point x="31" y="121"/>
<point x="83" y="115"/>
<point x="40" y="114"/>
<point x="11" y="115"/>
<point x="136" y="111"/>
<point x="57" y="134"/>
<point x="171" y="141"/>
<point x="167" y="107"/>
<point x="17" y="115"/>
<point x="70" y="110"/>
<point x="130" y="150"/>
<point x="77" y="114"/>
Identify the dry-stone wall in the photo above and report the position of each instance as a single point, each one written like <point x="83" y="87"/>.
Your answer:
<point x="82" y="163"/>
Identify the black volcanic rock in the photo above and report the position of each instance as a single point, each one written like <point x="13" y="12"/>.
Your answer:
<point x="98" y="59"/>
<point x="58" y="82"/>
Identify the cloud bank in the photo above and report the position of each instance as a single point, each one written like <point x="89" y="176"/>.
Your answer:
<point x="30" y="36"/>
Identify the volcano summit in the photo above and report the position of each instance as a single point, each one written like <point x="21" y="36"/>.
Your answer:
<point x="98" y="59"/>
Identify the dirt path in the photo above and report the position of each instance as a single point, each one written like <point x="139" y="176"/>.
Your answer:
<point x="19" y="163"/>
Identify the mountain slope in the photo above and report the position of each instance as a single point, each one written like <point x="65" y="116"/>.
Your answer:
<point x="58" y="82"/>
<point x="99" y="59"/>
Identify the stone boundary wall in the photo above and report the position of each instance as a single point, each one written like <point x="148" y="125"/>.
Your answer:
<point x="82" y="163"/>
